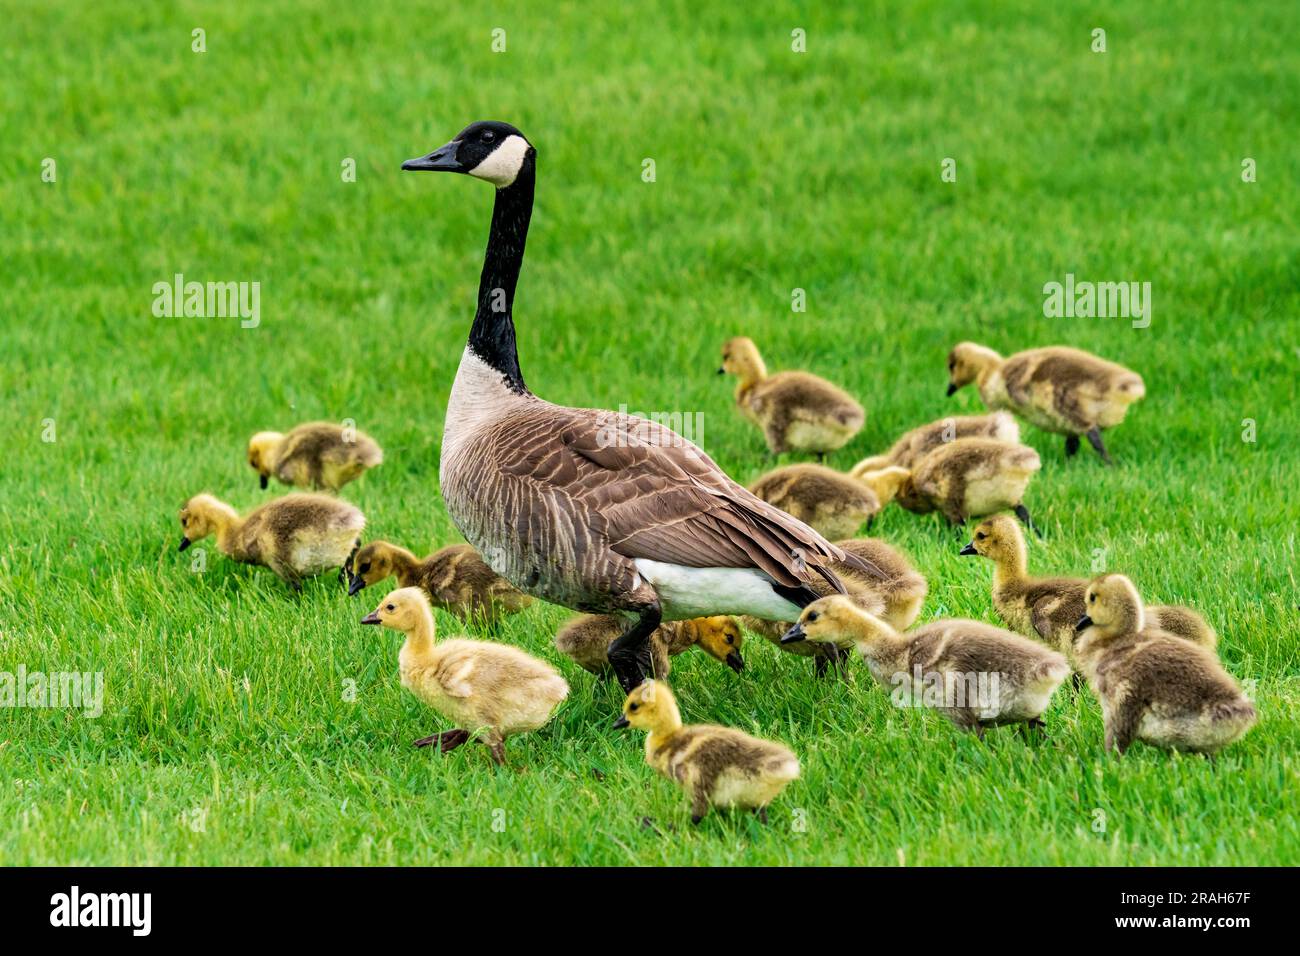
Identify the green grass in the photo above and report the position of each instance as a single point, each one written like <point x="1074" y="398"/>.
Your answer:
<point x="226" y="694"/>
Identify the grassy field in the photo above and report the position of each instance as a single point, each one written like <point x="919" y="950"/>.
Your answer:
<point x="245" y="725"/>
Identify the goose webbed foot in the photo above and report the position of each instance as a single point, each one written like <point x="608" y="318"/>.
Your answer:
<point x="629" y="655"/>
<point x="445" y="741"/>
<point x="1071" y="445"/>
<point x="1094" y="439"/>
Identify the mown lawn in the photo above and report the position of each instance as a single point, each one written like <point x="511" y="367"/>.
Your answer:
<point x="245" y="725"/>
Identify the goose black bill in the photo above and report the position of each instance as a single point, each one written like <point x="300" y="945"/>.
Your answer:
<point x="441" y="160"/>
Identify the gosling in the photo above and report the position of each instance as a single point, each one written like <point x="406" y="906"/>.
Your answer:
<point x="914" y="445"/>
<point x="455" y="578"/>
<point x="494" y="690"/>
<point x="966" y="478"/>
<point x="318" y="455"/>
<point x="834" y="504"/>
<point x="1152" y="686"/>
<point x="715" y="766"/>
<point x="296" y="536"/>
<point x="586" y="639"/>
<point x="796" y="410"/>
<point x="975" y="674"/>
<point x="1050" y="607"/>
<point x="1059" y="389"/>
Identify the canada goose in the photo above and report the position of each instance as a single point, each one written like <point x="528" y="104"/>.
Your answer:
<point x="296" y="536"/>
<point x="1152" y="686"/>
<point x="586" y="639"/>
<point x="1059" y="389"/>
<point x="975" y="674"/>
<point x="966" y="478"/>
<point x="1050" y="607"/>
<point x="491" y="690"/>
<point x="455" y="578"/>
<point x="314" y="455"/>
<point x="913" y="445"/>
<point x="594" y="510"/>
<point x="832" y="503"/>
<point x="894" y="595"/>
<point x="715" y="766"/>
<point x="795" y="410"/>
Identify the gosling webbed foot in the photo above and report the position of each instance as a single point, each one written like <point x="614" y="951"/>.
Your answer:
<point x="761" y="813"/>
<point x="1071" y="445"/>
<point x="446" y="741"/>
<point x="1094" y="439"/>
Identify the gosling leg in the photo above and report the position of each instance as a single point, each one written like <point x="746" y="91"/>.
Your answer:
<point x="1071" y="445"/>
<point x="1023" y="514"/>
<point x="446" y="741"/>
<point x="1094" y="438"/>
<point x="761" y="813"/>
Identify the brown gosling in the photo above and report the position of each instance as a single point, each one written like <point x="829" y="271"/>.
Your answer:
<point x="455" y="578"/>
<point x="296" y="536"/>
<point x="1050" y="607"/>
<point x="716" y="766"/>
<point x="832" y="503"/>
<point x="914" y="445"/>
<point x="318" y="455"/>
<point x="491" y="690"/>
<point x="1152" y="686"/>
<point x="966" y="478"/>
<point x="796" y="410"/>
<point x="586" y="639"/>
<point x="973" y="673"/>
<point x="1059" y="389"/>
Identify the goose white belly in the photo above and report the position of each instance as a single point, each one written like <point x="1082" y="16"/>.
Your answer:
<point x="686" y="592"/>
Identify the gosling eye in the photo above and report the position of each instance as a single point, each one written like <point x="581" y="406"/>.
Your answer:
<point x="812" y="617"/>
<point x="1092" y="599"/>
<point x="981" y="536"/>
<point x="365" y="568"/>
<point x="390" y="607"/>
<point x="730" y="639"/>
<point x="634" y="706"/>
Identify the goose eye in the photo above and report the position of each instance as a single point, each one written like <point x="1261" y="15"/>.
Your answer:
<point x="488" y="136"/>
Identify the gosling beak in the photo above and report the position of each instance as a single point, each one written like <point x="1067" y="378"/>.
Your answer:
<point x="951" y="388"/>
<point x="371" y="618"/>
<point x="722" y="371"/>
<point x="185" y="543"/>
<point x="263" y="481"/>
<point x="355" y="583"/>
<point x="969" y="549"/>
<point x="794" y="635"/>
<point x="621" y="722"/>
<point x="735" y="662"/>
<point x="1085" y="622"/>
<point x="441" y="160"/>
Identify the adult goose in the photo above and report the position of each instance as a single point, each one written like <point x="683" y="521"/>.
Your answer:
<point x="597" y="511"/>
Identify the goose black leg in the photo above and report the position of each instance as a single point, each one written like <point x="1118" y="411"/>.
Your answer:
<point x="1071" y="445"/>
<point x="1094" y="439"/>
<point x="1023" y="514"/>
<point x="629" y="655"/>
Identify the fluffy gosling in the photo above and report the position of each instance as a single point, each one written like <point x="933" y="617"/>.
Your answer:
<point x="1151" y="685"/>
<point x="835" y="504"/>
<point x="314" y="455"/>
<point x="455" y="578"/>
<point x="586" y="638"/>
<point x="491" y="690"/>
<point x="1050" y="607"/>
<point x="715" y="766"/>
<point x="1059" y="389"/>
<point x="914" y="445"/>
<point x="296" y="536"/>
<point x="966" y="478"/>
<point x="975" y="674"/>
<point x="796" y="410"/>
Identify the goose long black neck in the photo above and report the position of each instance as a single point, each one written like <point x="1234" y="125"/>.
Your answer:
<point x="492" y="337"/>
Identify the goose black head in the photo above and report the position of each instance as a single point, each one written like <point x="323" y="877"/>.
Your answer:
<point x="488" y="150"/>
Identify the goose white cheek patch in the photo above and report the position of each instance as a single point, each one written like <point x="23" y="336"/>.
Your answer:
<point x="503" y="163"/>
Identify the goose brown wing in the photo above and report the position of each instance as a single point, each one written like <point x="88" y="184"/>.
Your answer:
<point x="652" y="494"/>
